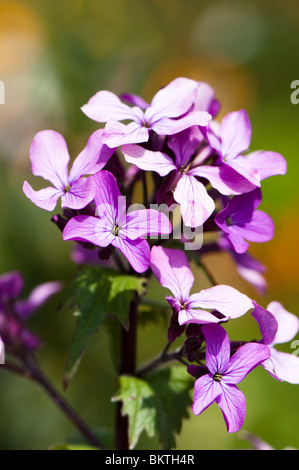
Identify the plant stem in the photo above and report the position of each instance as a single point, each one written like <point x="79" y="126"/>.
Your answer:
<point x="127" y="366"/>
<point x="164" y="357"/>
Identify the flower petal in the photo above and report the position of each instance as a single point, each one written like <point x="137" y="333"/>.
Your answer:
<point x="80" y="195"/>
<point x="11" y="285"/>
<point x="267" y="163"/>
<point x="167" y="126"/>
<point x="195" y="203"/>
<point x="267" y="323"/>
<point x="235" y="132"/>
<point x="38" y="297"/>
<point x="288" y="323"/>
<point x="245" y="359"/>
<point x="148" y="160"/>
<point x="200" y="317"/>
<point x="117" y="134"/>
<point x="44" y="198"/>
<point x="206" y="390"/>
<point x="88" y="229"/>
<point x="146" y="222"/>
<point x="137" y="252"/>
<point x="105" y="105"/>
<point x="284" y="365"/>
<point x="171" y="268"/>
<point x="233" y="406"/>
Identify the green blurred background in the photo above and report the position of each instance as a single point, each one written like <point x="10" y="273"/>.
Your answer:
<point x="53" y="57"/>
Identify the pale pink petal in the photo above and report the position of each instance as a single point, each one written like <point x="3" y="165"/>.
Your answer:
<point x="117" y="133"/>
<point x="38" y="297"/>
<point x="167" y="126"/>
<point x="196" y="205"/>
<point x="44" y="198"/>
<point x="105" y="105"/>
<point x="201" y="317"/>
<point x="267" y="163"/>
<point x="137" y="252"/>
<point x="284" y="365"/>
<point x="225" y="299"/>
<point x="171" y="268"/>
<point x="173" y="100"/>
<point x="148" y="160"/>
<point x="88" y="229"/>
<point x="233" y="406"/>
<point x="92" y="158"/>
<point x="185" y="144"/>
<point x="50" y="157"/>
<point x="81" y="193"/>
<point x="206" y="390"/>
<point x="110" y="204"/>
<point x="288" y="323"/>
<point x="235" y="132"/>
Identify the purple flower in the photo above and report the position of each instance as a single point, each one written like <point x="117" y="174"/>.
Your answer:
<point x="169" y="112"/>
<point x="113" y="226"/>
<point x="50" y="157"/>
<point x="171" y="268"/>
<point x="14" y="311"/>
<point x="240" y="221"/>
<point x="195" y="202"/>
<point x="278" y="326"/>
<point x="219" y="384"/>
<point x="232" y="138"/>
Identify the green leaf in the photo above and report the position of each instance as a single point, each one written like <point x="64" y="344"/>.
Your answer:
<point x="72" y="447"/>
<point x="156" y="404"/>
<point x="96" y="294"/>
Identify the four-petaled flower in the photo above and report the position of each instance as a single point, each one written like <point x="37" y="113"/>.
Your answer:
<point x="113" y="226"/>
<point x="225" y="371"/>
<point x="50" y="157"/>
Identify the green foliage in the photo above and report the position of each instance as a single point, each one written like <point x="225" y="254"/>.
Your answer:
<point x="72" y="447"/>
<point x="97" y="294"/>
<point x="156" y="404"/>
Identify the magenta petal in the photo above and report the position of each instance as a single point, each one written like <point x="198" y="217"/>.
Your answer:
<point x="38" y="297"/>
<point x="245" y="359"/>
<point x="233" y="406"/>
<point x="225" y="299"/>
<point x="148" y="160"/>
<point x="11" y="285"/>
<point x="110" y="204"/>
<point x="92" y="159"/>
<point x="105" y="105"/>
<point x="88" y="229"/>
<point x="117" y="134"/>
<point x="137" y="252"/>
<point x="195" y="203"/>
<point x="267" y="323"/>
<point x="206" y="390"/>
<point x="80" y="195"/>
<point x="171" y="268"/>
<point x="173" y="100"/>
<point x="44" y="198"/>
<point x="146" y="222"/>
<point x="267" y="163"/>
<point x="200" y="317"/>
<point x="218" y="348"/>
<point x="185" y="144"/>
<point x="50" y="157"/>
<point x="259" y="229"/>
<point x="235" y="132"/>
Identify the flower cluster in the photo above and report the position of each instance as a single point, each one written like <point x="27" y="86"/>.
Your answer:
<point x="201" y="167"/>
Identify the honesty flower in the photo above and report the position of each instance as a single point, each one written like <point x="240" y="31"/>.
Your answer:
<point x="278" y="326"/>
<point x="169" y="112"/>
<point x="113" y="226"/>
<point x="195" y="202"/>
<point x="15" y="311"/>
<point x="50" y="157"/>
<point x="240" y="221"/>
<point x="171" y="268"/>
<point x="219" y="384"/>
<point x="232" y="138"/>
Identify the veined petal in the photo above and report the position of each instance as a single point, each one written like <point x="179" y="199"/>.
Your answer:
<point x="110" y="204"/>
<point x="285" y="366"/>
<point x="81" y="193"/>
<point x="38" y="297"/>
<point x="245" y="359"/>
<point x="200" y="317"/>
<point x="50" y="157"/>
<point x="267" y="163"/>
<point x="218" y="348"/>
<point x="267" y="323"/>
<point x="196" y="205"/>
<point x="173" y="100"/>
<point x="235" y="132"/>
<point x="88" y="229"/>
<point x="206" y="390"/>
<point x="148" y="160"/>
<point x="117" y="134"/>
<point x="137" y="252"/>
<point x="259" y="229"/>
<point x="105" y="105"/>
<point x="185" y="144"/>
<point x="92" y="158"/>
<point x="233" y="406"/>
<point x="167" y="126"/>
<point x="146" y="222"/>
<point x="288" y="323"/>
<point x="44" y="198"/>
<point x="224" y="178"/>
<point x="225" y="299"/>
<point x="171" y="268"/>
